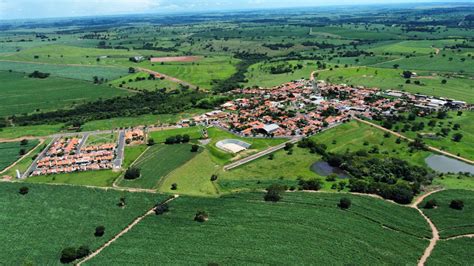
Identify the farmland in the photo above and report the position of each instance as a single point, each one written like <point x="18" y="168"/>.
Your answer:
<point x="48" y="94"/>
<point x="12" y="151"/>
<point x="452" y="252"/>
<point x="102" y="178"/>
<point x="313" y="220"/>
<point x="57" y="217"/>
<point x="157" y="162"/>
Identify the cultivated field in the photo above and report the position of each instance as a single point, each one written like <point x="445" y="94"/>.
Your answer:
<point x="12" y="151"/>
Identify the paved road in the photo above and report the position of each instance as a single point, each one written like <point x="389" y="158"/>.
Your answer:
<point x="120" y="150"/>
<point x="83" y="141"/>
<point x="33" y="165"/>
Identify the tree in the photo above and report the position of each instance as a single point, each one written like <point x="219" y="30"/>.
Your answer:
<point x="288" y="146"/>
<point x="131" y="70"/>
<point x="186" y="138"/>
<point x="174" y="186"/>
<point x="22" y="152"/>
<point x="23" y="190"/>
<point x="213" y="177"/>
<point x="407" y="74"/>
<point x="457" y="204"/>
<point x="161" y="208"/>
<point x="274" y="193"/>
<point x="457" y="137"/>
<point x="132" y="173"/>
<point x="194" y="148"/>
<point x="68" y="255"/>
<point x="151" y="142"/>
<point x="24" y="142"/>
<point x="271" y="156"/>
<point x="314" y="184"/>
<point x="82" y="251"/>
<point x="99" y="231"/>
<point x="430" y="204"/>
<point x="344" y="203"/>
<point x="201" y="216"/>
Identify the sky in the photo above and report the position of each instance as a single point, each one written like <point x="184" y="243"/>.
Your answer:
<point x="23" y="9"/>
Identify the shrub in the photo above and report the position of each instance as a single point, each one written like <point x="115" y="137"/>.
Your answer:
<point x="99" y="231"/>
<point x="312" y="184"/>
<point x="331" y="177"/>
<point x="132" y="173"/>
<point x="201" y="216"/>
<point x="161" y="208"/>
<point x="430" y="204"/>
<point x="457" y="204"/>
<point x="122" y="202"/>
<point x="274" y="193"/>
<point x="194" y="148"/>
<point x="214" y="177"/>
<point x="24" y="142"/>
<point x="344" y="203"/>
<point x="68" y="255"/>
<point x="24" y="190"/>
<point x="151" y="142"/>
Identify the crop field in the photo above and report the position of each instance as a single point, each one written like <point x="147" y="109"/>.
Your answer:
<point x="452" y="252"/>
<point x="17" y="92"/>
<point x="451" y="222"/>
<point x="57" y="217"/>
<point x="23" y="164"/>
<point x="310" y="226"/>
<point x="457" y="88"/>
<point x="157" y="162"/>
<point x="65" y="71"/>
<point x="100" y="178"/>
<point x="131" y="153"/>
<point x="10" y="152"/>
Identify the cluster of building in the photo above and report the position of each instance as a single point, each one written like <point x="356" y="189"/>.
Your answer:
<point x="134" y="135"/>
<point x="67" y="155"/>
<point x="302" y="108"/>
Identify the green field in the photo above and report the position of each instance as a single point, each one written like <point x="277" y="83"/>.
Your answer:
<point x="56" y="217"/>
<point x="101" y="178"/>
<point x="161" y="135"/>
<point x="130" y="82"/>
<point x="132" y="153"/>
<point x="301" y="228"/>
<point x="259" y="74"/>
<point x="17" y="92"/>
<point x="457" y="88"/>
<point x="451" y="222"/>
<point x="23" y="164"/>
<point x="157" y="162"/>
<point x="65" y="71"/>
<point x="10" y="152"/>
<point x="98" y="139"/>
<point x="452" y="252"/>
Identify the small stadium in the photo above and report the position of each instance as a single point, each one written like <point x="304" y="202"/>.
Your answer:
<point x="232" y="145"/>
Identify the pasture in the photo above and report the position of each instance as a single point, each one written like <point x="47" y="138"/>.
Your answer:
<point x="451" y="222"/>
<point x="10" y="152"/>
<point x="100" y="178"/>
<point x="38" y="225"/>
<point x="300" y="229"/>
<point x="20" y="94"/>
<point x="157" y="162"/>
<point x="135" y="82"/>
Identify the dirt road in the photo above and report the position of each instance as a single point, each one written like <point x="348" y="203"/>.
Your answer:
<point x="173" y="79"/>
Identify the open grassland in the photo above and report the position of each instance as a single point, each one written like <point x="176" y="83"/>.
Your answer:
<point x="98" y="139"/>
<point x="452" y="252"/>
<point x="300" y="229"/>
<point x="455" y="182"/>
<point x="464" y="148"/>
<point x="201" y="73"/>
<point x="160" y="136"/>
<point x="20" y="94"/>
<point x="37" y="226"/>
<point x="286" y="168"/>
<point x="193" y="178"/>
<point x="451" y="222"/>
<point x="259" y="74"/>
<point x="10" y="152"/>
<point x="100" y="178"/>
<point x="134" y="82"/>
<point x="32" y="131"/>
<point x="457" y="88"/>
<point x="65" y="71"/>
<point x="157" y="162"/>
<point x="132" y="153"/>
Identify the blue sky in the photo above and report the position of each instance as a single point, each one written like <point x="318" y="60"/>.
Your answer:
<point x="20" y="9"/>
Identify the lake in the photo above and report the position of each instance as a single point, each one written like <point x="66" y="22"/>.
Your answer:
<point x="322" y="168"/>
<point x="444" y="164"/>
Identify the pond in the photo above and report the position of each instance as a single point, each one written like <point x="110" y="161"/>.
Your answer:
<point x="322" y="168"/>
<point x="444" y="164"/>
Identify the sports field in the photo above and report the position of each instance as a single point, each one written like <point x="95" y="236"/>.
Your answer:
<point x="56" y="217"/>
<point x="157" y="162"/>
<point x="301" y="228"/>
<point x="12" y="151"/>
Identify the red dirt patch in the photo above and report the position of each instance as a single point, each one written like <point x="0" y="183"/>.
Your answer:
<point x="175" y="59"/>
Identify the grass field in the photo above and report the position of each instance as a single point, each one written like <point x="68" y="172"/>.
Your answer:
<point x="455" y="182"/>
<point x="287" y="168"/>
<point x="17" y="92"/>
<point x="23" y="164"/>
<point x="10" y="152"/>
<point x="130" y="82"/>
<point x="161" y="135"/>
<point x="259" y="74"/>
<point x="101" y="139"/>
<point x="452" y="252"/>
<point x="157" y="162"/>
<point x="383" y="78"/>
<point x="300" y="229"/>
<point x="101" y="178"/>
<point x="66" y="71"/>
<point x="464" y="148"/>
<point x="132" y="153"/>
<point x="37" y="226"/>
<point x="451" y="222"/>
<point x="23" y="131"/>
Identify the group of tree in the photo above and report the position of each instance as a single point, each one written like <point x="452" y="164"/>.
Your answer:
<point x="177" y="139"/>
<point x="38" y="75"/>
<point x="132" y="173"/>
<point x="71" y="254"/>
<point x="278" y="46"/>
